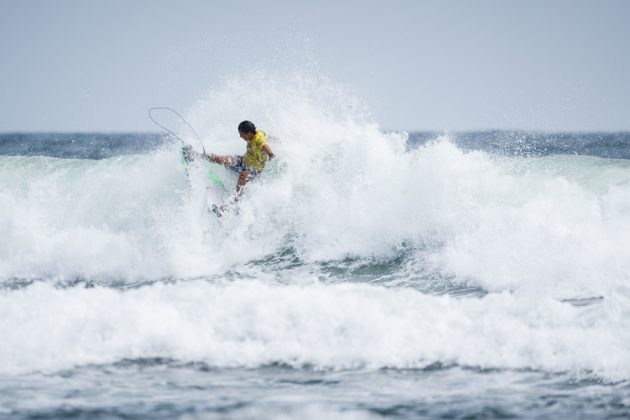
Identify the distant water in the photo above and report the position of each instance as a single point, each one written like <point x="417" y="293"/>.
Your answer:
<point x="78" y="145"/>
<point x="613" y="145"/>
<point x="368" y="273"/>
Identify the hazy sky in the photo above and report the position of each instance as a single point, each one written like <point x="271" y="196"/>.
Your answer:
<point x="99" y="65"/>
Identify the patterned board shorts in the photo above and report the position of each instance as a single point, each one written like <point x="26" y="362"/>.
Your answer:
<point x="240" y="166"/>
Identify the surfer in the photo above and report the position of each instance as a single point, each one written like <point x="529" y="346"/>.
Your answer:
<point x="249" y="165"/>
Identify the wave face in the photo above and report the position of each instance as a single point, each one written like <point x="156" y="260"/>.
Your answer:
<point x="356" y="248"/>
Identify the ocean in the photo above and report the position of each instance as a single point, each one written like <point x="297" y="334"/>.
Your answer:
<point x="369" y="273"/>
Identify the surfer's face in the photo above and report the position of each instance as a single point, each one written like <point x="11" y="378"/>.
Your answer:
<point x="246" y="136"/>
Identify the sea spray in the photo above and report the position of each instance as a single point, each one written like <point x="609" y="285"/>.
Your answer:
<point x="340" y="188"/>
<point x="435" y="278"/>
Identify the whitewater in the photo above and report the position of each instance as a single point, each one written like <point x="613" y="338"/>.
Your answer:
<point x="369" y="272"/>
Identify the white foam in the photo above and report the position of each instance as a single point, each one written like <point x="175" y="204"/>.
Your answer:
<point x="339" y="187"/>
<point x="253" y="323"/>
<point x="551" y="226"/>
<point x="307" y="410"/>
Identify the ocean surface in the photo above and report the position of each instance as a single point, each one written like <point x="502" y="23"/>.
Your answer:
<point x="369" y="273"/>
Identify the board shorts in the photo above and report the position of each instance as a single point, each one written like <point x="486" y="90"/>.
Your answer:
<point x="240" y="166"/>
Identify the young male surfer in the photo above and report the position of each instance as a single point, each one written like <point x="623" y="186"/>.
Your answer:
<point x="249" y="165"/>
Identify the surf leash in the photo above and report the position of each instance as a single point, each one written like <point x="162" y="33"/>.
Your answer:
<point x="165" y="108"/>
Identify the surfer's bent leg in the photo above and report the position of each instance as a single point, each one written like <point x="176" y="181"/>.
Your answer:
<point x="243" y="178"/>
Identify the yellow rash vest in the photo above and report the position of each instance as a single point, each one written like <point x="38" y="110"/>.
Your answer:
<point x="255" y="157"/>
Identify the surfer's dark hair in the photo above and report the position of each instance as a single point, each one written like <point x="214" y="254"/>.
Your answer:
<point x="247" y="127"/>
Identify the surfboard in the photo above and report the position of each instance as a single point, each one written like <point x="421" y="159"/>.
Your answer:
<point x="216" y="191"/>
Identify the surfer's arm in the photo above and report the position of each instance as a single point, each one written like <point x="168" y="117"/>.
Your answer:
<point x="267" y="150"/>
